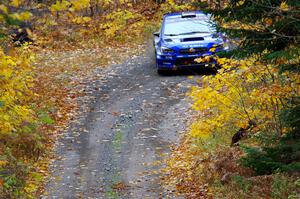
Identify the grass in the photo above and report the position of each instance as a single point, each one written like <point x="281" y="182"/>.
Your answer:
<point x="117" y="142"/>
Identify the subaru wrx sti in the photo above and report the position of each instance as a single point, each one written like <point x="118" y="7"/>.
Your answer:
<point x="184" y="37"/>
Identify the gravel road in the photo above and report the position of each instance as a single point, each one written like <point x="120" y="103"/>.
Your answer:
<point x="110" y="150"/>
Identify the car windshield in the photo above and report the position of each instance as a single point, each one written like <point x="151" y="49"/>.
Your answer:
<point x="184" y="26"/>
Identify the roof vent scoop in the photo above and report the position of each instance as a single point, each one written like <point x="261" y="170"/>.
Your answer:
<point x="188" y="14"/>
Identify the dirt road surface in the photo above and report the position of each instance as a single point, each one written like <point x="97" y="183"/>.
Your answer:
<point x="110" y="151"/>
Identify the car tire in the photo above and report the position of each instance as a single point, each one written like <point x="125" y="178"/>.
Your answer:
<point x="161" y="72"/>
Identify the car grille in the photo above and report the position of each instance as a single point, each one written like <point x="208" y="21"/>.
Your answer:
<point x="189" y="51"/>
<point x="186" y="61"/>
<point x="191" y="61"/>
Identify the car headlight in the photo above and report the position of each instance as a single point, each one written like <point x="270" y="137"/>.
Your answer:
<point x="166" y="50"/>
<point x="225" y="46"/>
<point x="220" y="47"/>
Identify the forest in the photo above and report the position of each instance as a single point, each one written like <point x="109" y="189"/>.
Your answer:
<point x="243" y="138"/>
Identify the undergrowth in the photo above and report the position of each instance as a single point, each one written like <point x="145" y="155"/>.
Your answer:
<point x="244" y="142"/>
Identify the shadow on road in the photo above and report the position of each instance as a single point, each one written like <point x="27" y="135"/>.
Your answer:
<point x="189" y="72"/>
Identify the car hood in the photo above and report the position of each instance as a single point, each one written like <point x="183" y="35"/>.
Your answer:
<point x="191" y="41"/>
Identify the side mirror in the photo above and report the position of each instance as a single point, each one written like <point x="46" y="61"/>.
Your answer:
<point x="156" y="34"/>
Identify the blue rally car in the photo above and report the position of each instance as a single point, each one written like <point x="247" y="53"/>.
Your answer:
<point x="183" y="37"/>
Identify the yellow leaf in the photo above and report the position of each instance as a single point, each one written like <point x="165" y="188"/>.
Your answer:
<point x="3" y="162"/>
<point x="15" y="3"/>
<point x="4" y="9"/>
<point x="284" y="6"/>
<point x="268" y="21"/>
<point x="199" y="60"/>
<point x="212" y="50"/>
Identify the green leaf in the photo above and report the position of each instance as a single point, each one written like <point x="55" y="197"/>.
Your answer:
<point x="1" y="102"/>
<point x="45" y="118"/>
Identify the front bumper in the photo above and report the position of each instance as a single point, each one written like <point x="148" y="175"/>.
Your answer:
<point x="174" y="62"/>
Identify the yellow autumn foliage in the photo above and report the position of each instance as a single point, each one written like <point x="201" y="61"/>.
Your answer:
<point x="172" y="6"/>
<point x="15" y="3"/>
<point x="79" y="4"/>
<point x="15" y="83"/>
<point x="81" y="20"/>
<point x="60" y="6"/>
<point x="22" y="16"/>
<point x="117" y="21"/>
<point x="243" y="90"/>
